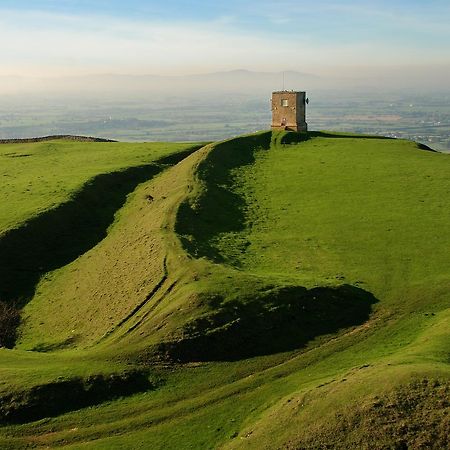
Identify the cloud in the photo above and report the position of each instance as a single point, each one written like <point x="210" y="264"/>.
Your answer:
<point x="43" y="43"/>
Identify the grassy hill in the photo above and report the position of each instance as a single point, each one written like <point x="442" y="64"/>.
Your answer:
<point x="276" y="290"/>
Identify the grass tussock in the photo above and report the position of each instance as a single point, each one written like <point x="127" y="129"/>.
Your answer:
<point x="413" y="416"/>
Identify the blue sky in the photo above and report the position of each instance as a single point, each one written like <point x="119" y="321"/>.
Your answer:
<point x="178" y="36"/>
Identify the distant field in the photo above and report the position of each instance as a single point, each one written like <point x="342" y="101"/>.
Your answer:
<point x="422" y="117"/>
<point x="275" y="290"/>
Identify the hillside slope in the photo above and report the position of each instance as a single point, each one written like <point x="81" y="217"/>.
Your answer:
<point x="277" y="290"/>
<point x="39" y="176"/>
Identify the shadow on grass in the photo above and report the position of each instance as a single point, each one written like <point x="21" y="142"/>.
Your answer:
<point x="60" y="235"/>
<point x="218" y="208"/>
<point x="278" y="320"/>
<point x="326" y="134"/>
<point x="70" y="394"/>
<point x="9" y="322"/>
<point x="421" y="146"/>
<point x="297" y="137"/>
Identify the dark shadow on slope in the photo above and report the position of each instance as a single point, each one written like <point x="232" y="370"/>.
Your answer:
<point x="278" y="320"/>
<point x="293" y="137"/>
<point x="425" y="147"/>
<point x="66" y="395"/>
<point x="60" y="235"/>
<point x="9" y="322"/>
<point x="326" y="134"/>
<point x="218" y="208"/>
<point x="175" y="158"/>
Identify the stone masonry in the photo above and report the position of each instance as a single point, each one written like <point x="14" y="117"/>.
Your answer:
<point x="289" y="111"/>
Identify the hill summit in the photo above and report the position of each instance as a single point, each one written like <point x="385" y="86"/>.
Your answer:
<point x="274" y="290"/>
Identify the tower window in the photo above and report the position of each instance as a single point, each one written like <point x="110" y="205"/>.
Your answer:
<point x="284" y="102"/>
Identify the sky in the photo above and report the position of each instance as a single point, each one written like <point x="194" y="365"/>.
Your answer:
<point x="175" y="37"/>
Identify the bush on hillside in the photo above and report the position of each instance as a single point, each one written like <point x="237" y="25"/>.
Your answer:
<point x="9" y="321"/>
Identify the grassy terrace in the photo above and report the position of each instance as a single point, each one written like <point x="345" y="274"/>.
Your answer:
<point x="42" y="175"/>
<point x="273" y="290"/>
<point x="344" y="210"/>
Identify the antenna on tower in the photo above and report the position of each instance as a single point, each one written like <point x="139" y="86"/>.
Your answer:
<point x="283" y="80"/>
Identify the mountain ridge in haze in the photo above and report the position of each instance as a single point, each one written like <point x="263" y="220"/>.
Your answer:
<point x="232" y="80"/>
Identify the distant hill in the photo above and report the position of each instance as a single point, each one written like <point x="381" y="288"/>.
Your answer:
<point x="66" y="137"/>
<point x="238" y="80"/>
<point x="235" y="80"/>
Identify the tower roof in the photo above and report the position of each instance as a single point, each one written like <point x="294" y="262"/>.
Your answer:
<point x="288" y="92"/>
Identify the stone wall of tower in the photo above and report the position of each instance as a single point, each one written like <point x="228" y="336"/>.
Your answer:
<point x="289" y="110"/>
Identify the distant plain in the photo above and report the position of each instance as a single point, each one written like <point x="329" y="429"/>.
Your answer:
<point x="209" y="115"/>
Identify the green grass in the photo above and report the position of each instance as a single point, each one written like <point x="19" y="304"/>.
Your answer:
<point x="338" y="210"/>
<point x="303" y="287"/>
<point x="39" y="176"/>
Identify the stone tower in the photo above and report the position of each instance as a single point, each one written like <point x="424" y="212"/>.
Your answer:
<point x="289" y="111"/>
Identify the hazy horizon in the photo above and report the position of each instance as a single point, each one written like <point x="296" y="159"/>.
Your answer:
<point x="198" y="70"/>
<point x="389" y="43"/>
<point x="234" y="80"/>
